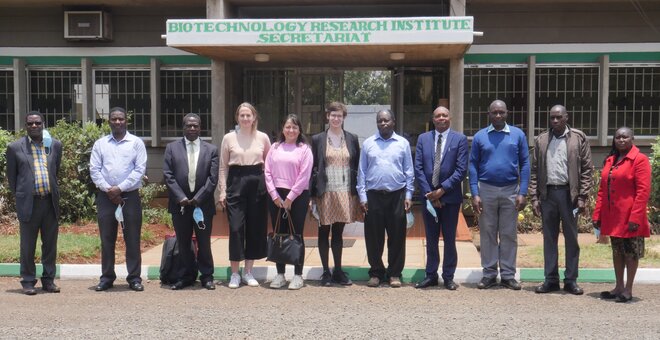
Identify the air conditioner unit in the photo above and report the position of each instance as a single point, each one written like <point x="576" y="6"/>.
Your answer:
<point x="87" y="25"/>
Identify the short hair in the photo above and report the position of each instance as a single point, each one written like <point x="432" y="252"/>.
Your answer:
<point x="295" y="120"/>
<point x="388" y="111"/>
<point x="191" y="115"/>
<point x="440" y="107"/>
<point x="118" y="109"/>
<point x="35" y="113"/>
<point x="336" y="106"/>
<point x="252" y="109"/>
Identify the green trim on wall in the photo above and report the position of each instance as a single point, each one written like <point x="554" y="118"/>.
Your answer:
<point x="6" y="60"/>
<point x="110" y="60"/>
<point x="521" y="58"/>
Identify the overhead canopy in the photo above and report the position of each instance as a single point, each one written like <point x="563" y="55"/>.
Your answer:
<point x="331" y="42"/>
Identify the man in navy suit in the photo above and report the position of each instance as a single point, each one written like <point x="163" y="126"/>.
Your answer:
<point x="191" y="175"/>
<point x="441" y="160"/>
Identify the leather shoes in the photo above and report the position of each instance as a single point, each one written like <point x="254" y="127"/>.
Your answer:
<point x="427" y="282"/>
<point x="547" y="287"/>
<point x="103" y="286"/>
<point x="573" y="288"/>
<point x="136" y="286"/>
<point x="511" y="284"/>
<point x="178" y="285"/>
<point x="450" y="285"/>
<point x="486" y="282"/>
<point x="51" y="288"/>
<point x="210" y="285"/>
<point x="29" y="290"/>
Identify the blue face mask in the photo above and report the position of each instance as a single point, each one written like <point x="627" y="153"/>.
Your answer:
<point x="410" y="219"/>
<point x="431" y="210"/>
<point x="198" y="216"/>
<point x="47" y="139"/>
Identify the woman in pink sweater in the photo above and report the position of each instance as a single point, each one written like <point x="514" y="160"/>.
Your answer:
<point x="288" y="168"/>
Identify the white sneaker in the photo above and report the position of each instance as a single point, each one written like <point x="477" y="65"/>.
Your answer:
<point x="235" y="281"/>
<point x="249" y="280"/>
<point x="278" y="282"/>
<point x="296" y="283"/>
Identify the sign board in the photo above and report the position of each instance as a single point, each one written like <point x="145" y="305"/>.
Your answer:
<point x="315" y="32"/>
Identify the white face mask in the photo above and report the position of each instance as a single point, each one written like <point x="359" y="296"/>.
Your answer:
<point x="410" y="219"/>
<point x="47" y="140"/>
<point x="431" y="210"/>
<point x="119" y="215"/>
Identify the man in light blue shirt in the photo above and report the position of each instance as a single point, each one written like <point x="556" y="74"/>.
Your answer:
<point x="117" y="165"/>
<point x="385" y="186"/>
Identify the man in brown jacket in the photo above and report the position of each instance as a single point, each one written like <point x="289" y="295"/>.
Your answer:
<point x="560" y="182"/>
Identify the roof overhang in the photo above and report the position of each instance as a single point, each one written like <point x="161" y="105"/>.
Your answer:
<point x="331" y="42"/>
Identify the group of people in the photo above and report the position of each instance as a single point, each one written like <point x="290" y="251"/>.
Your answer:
<point x="346" y="183"/>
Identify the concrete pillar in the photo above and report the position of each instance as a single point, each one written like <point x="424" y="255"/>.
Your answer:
<point x="457" y="92"/>
<point x="603" y="105"/>
<point x="457" y="8"/>
<point x="531" y="98"/>
<point x="20" y="95"/>
<point x="218" y="9"/>
<point x="154" y="83"/>
<point x="87" y="77"/>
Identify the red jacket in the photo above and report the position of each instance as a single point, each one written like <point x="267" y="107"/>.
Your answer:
<point x="629" y="190"/>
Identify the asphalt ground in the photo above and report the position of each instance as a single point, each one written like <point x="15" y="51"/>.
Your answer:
<point x="314" y="312"/>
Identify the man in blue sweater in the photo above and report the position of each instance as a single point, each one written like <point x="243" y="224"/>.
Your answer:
<point x="499" y="175"/>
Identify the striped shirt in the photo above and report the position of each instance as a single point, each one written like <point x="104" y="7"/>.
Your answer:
<point x="40" y="166"/>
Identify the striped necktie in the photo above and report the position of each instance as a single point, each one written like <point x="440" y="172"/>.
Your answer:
<point x="437" y="159"/>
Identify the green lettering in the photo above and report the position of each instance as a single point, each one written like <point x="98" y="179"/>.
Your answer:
<point x="465" y="24"/>
<point x="173" y="27"/>
<point x="263" y="38"/>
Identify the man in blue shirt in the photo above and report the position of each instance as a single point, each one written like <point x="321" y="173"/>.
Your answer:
<point x="117" y="165"/>
<point x="499" y="175"/>
<point x="385" y="186"/>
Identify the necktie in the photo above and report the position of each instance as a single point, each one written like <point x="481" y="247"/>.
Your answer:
<point x="192" y="166"/>
<point x="436" y="162"/>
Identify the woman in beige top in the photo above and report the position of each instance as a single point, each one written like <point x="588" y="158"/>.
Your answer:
<point x="243" y="193"/>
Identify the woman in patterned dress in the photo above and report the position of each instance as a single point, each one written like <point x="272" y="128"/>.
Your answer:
<point x="334" y="180"/>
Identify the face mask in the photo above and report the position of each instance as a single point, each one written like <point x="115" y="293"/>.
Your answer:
<point x="431" y="210"/>
<point x="47" y="139"/>
<point x="119" y="215"/>
<point x="410" y="220"/>
<point x="198" y="216"/>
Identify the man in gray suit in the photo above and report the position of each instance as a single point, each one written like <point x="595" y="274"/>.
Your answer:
<point x="32" y="166"/>
<point x="191" y="175"/>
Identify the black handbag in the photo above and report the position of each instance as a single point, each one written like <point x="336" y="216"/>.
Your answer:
<point x="287" y="248"/>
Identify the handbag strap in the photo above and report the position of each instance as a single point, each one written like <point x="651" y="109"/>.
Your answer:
<point x="287" y="215"/>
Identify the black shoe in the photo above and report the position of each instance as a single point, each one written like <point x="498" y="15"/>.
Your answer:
<point x="29" y="290"/>
<point x="486" y="282"/>
<point x="547" y="287"/>
<point x="573" y="288"/>
<point x="210" y="285"/>
<point x="326" y="278"/>
<point x="607" y="295"/>
<point x="427" y="282"/>
<point x="136" y="286"/>
<point x="511" y="284"/>
<point x="450" y="285"/>
<point x="178" y="285"/>
<point x="50" y="287"/>
<point x="103" y="286"/>
<point x="623" y="299"/>
<point x="338" y="276"/>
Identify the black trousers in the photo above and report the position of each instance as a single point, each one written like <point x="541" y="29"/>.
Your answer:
<point x="42" y="221"/>
<point x="297" y="215"/>
<point x="246" y="212"/>
<point x="447" y="222"/>
<point x="386" y="213"/>
<point x="555" y="208"/>
<point x="108" y="226"/>
<point x="184" y="226"/>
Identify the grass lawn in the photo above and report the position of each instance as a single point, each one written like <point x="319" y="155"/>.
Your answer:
<point x="591" y="255"/>
<point x="70" y="247"/>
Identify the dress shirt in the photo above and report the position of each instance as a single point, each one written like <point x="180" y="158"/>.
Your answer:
<point x="444" y="141"/>
<point x="118" y="163"/>
<point x="40" y="167"/>
<point x="557" y="160"/>
<point x="385" y="164"/>
<point x="192" y="169"/>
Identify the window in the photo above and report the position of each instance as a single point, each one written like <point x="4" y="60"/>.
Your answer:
<point x="574" y="87"/>
<point x="485" y="83"/>
<point x="7" y="100"/>
<point x="56" y="94"/>
<point x="129" y="89"/>
<point x="184" y="91"/>
<point x="634" y="99"/>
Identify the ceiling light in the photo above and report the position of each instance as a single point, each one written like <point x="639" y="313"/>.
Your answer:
<point x="397" y="55"/>
<point x="261" y="57"/>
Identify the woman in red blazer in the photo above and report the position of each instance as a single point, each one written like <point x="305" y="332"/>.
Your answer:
<point x="620" y="211"/>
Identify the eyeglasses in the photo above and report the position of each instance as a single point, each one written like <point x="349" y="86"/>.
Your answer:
<point x="33" y="123"/>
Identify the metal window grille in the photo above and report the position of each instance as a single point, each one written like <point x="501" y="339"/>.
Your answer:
<point x="7" y="100"/>
<point x="56" y="94"/>
<point x="183" y="91"/>
<point x="634" y="99"/>
<point x="129" y="89"/>
<point x="574" y="87"/>
<point x="272" y="94"/>
<point x="485" y="83"/>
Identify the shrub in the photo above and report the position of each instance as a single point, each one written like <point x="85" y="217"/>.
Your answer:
<point x="654" y="202"/>
<point x="7" y="207"/>
<point x="150" y="214"/>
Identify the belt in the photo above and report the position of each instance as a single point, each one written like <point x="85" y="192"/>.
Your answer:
<point x="384" y="192"/>
<point x="246" y="170"/>
<point x="557" y="187"/>
<point x="42" y="197"/>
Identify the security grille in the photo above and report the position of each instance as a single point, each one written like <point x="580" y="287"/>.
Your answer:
<point x="634" y="99"/>
<point x="485" y="83"/>
<point x="183" y="91"/>
<point x="574" y="87"/>
<point x="129" y="89"/>
<point x="56" y="94"/>
<point x="7" y="100"/>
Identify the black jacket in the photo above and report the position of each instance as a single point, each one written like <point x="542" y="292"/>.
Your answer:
<point x="319" y="179"/>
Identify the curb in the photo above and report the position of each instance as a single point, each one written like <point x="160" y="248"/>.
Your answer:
<point x="462" y="275"/>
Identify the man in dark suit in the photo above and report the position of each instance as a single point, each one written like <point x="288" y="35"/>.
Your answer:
<point x="191" y="175"/>
<point x="441" y="160"/>
<point x="32" y="166"/>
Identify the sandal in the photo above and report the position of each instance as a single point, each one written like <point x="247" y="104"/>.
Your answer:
<point x="607" y="295"/>
<point x="623" y="299"/>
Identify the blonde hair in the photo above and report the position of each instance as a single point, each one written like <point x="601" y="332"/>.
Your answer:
<point x="254" y="113"/>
